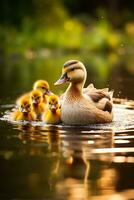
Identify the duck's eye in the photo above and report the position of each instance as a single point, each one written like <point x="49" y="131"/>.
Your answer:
<point x="43" y="87"/>
<point x="72" y="69"/>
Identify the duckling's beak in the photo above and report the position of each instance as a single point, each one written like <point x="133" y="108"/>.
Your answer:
<point x="22" y="110"/>
<point x="34" y="101"/>
<point x="48" y="92"/>
<point x="62" y="79"/>
<point x="53" y="107"/>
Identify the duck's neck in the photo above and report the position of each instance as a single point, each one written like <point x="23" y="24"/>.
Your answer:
<point x="75" y="89"/>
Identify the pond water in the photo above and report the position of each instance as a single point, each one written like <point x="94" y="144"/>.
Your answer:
<point x="62" y="162"/>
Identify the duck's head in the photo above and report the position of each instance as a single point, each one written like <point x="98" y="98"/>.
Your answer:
<point x="43" y="86"/>
<point x="73" y="71"/>
<point x="36" y="96"/>
<point x="53" y="103"/>
<point x="25" y="105"/>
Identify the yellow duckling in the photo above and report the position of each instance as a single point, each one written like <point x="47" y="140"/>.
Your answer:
<point x="52" y="115"/>
<point x="24" y="111"/>
<point x="38" y="105"/>
<point x="43" y="86"/>
<point x="24" y="96"/>
<point x="76" y="108"/>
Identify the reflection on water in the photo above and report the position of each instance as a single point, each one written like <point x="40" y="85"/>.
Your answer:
<point x="73" y="163"/>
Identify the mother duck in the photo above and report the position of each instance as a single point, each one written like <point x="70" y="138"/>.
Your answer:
<point x="77" y="106"/>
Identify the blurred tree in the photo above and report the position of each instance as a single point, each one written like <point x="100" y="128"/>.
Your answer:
<point x="16" y="11"/>
<point x="118" y="11"/>
<point x="13" y="12"/>
<point x="50" y="12"/>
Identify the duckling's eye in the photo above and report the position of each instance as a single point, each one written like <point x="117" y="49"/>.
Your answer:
<point x="43" y="87"/>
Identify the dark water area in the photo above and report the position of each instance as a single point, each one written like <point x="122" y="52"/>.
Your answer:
<point x="38" y="161"/>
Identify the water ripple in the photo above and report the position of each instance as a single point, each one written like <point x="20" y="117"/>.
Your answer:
<point x="123" y="121"/>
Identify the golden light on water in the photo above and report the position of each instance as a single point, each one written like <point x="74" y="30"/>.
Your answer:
<point x="123" y="159"/>
<point x="121" y="141"/>
<point x="114" y="150"/>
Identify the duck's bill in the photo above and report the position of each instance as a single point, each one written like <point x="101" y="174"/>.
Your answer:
<point x="62" y="80"/>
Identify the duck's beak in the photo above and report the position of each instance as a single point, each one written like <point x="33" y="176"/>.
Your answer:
<point x="62" y="79"/>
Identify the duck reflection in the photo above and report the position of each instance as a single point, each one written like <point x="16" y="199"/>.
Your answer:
<point x="81" y="143"/>
<point x="108" y="180"/>
<point x="82" y="168"/>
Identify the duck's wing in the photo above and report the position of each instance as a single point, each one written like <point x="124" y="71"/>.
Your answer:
<point x="110" y="93"/>
<point x="98" y="95"/>
<point x="102" y="99"/>
<point x="88" y="89"/>
<point x="91" y="88"/>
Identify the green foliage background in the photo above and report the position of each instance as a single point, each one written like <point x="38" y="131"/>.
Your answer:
<point x="38" y="36"/>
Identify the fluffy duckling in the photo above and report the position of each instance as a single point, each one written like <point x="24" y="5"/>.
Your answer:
<point x="43" y="86"/>
<point x="76" y="108"/>
<point x="38" y="105"/>
<point x="24" y="111"/>
<point x="52" y="115"/>
<point x="24" y="96"/>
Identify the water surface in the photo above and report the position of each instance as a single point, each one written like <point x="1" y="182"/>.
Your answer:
<point x="62" y="162"/>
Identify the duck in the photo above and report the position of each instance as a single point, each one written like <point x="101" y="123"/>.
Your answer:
<point x="44" y="87"/>
<point x="78" y="107"/>
<point x="24" y="111"/>
<point x="38" y="105"/>
<point x="52" y="115"/>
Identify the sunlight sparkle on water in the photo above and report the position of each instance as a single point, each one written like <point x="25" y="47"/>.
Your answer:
<point x="121" y="141"/>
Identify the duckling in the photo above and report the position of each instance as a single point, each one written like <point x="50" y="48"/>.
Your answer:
<point x="52" y="115"/>
<point x="24" y="111"/>
<point x="76" y="108"/>
<point x="38" y="105"/>
<point x="23" y="96"/>
<point x="43" y="86"/>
